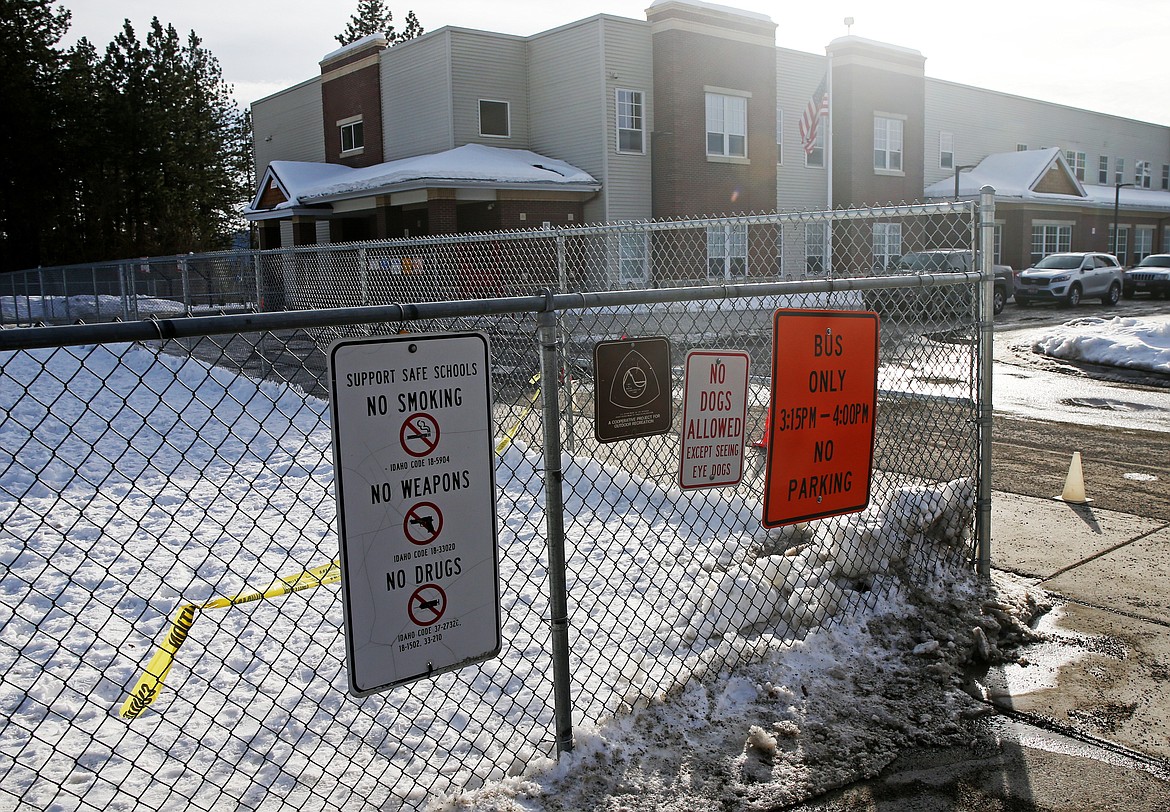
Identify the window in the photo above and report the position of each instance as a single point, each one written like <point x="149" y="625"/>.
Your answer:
<point x="816" y="248"/>
<point x="1076" y="162"/>
<point x="1021" y="147"/>
<point x="887" y="144"/>
<point x="946" y="150"/>
<point x="1143" y="242"/>
<point x="494" y="119"/>
<point x="727" y="252"/>
<point x="997" y="251"/>
<point x="1165" y="177"/>
<point x="630" y="123"/>
<point x="633" y="259"/>
<point x="779" y="135"/>
<point x="815" y="157"/>
<point x="1103" y="170"/>
<point x="1119" y="171"/>
<point x="1141" y="174"/>
<point x="1119" y="243"/>
<point x="353" y="137"/>
<point x="887" y="245"/>
<point x="726" y="125"/>
<point x="1050" y="238"/>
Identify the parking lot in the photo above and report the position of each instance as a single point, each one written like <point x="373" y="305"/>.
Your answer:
<point x="1124" y="466"/>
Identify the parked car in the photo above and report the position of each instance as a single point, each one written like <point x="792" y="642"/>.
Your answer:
<point x="945" y="260"/>
<point x="1151" y="275"/>
<point x="1068" y="277"/>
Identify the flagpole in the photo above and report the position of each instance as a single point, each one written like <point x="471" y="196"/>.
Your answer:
<point x="829" y="166"/>
<point x="829" y="135"/>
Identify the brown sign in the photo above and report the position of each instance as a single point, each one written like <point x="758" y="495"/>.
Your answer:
<point x="632" y="397"/>
<point x="821" y="419"/>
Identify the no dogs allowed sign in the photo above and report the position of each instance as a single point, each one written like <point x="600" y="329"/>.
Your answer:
<point x="412" y="450"/>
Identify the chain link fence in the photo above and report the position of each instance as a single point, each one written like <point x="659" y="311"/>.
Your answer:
<point x="168" y="515"/>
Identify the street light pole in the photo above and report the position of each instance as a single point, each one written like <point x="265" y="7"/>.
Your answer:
<point x="1116" y="206"/>
<point x="959" y="169"/>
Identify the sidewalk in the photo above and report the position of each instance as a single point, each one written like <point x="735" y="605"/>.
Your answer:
<point x="1085" y="717"/>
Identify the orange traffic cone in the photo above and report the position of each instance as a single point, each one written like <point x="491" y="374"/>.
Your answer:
<point x="1074" y="483"/>
<point x="763" y="441"/>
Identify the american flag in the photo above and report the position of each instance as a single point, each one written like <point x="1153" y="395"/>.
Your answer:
<point x="810" y="120"/>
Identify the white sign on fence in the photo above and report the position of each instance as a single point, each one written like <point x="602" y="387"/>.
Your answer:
<point x="412" y="449"/>
<point x="714" y="414"/>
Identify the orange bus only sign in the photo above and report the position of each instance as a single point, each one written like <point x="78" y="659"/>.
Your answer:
<point x="821" y="419"/>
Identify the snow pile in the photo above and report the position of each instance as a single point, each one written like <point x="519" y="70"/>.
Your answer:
<point x="792" y="719"/>
<point x="89" y="308"/>
<point x="1121" y="342"/>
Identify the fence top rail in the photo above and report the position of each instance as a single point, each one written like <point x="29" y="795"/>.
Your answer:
<point x="966" y="207"/>
<point x="155" y="329"/>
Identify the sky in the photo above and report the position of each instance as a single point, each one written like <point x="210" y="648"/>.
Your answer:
<point x="1107" y="59"/>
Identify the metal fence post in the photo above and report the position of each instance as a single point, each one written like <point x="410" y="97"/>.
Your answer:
<point x="554" y="518"/>
<point x="986" y="365"/>
<point x="45" y="315"/>
<point x="185" y="276"/>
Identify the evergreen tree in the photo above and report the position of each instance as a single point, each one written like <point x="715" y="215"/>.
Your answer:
<point x="184" y="167"/>
<point x="136" y="152"/>
<point x="29" y="145"/>
<point x="372" y="17"/>
<point x="413" y="28"/>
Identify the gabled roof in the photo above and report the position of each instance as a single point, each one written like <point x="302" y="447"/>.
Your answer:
<point x="1042" y="176"/>
<point x="292" y="185"/>
<point x="1034" y="172"/>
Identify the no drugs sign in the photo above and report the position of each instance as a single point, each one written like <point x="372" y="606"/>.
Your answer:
<point x="415" y="484"/>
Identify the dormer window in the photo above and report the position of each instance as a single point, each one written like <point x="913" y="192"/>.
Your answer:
<point x="353" y="139"/>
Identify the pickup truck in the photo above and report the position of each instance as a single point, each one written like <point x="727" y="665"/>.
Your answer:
<point x="945" y="260"/>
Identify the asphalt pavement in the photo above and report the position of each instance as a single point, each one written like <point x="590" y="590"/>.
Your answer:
<point x="1082" y="720"/>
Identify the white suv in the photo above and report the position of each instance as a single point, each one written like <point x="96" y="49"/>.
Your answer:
<point x="1067" y="278"/>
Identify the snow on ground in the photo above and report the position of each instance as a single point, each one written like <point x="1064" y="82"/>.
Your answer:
<point x="93" y="307"/>
<point x="776" y="721"/>
<point x="132" y="482"/>
<point x="1118" y="341"/>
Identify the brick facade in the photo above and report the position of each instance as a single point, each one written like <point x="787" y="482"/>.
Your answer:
<point x="351" y="86"/>
<point x="870" y="79"/>
<point x="696" y="52"/>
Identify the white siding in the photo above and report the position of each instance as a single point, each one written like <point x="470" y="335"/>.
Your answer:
<point x="288" y="126"/>
<point x="573" y="73"/>
<point x="494" y="67"/>
<point x="629" y="65"/>
<point x="986" y="122"/>
<point x="798" y="186"/>
<point x="416" y="97"/>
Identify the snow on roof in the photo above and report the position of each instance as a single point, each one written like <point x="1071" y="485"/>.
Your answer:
<point x="1015" y="174"/>
<point x="356" y="45"/>
<point x="469" y="165"/>
<point x="853" y="39"/>
<point x="713" y="7"/>
<point x="1011" y="174"/>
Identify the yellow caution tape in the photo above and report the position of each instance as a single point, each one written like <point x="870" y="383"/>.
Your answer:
<point x="150" y="684"/>
<point x="510" y="434"/>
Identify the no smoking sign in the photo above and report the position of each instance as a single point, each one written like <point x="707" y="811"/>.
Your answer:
<point x="412" y="440"/>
